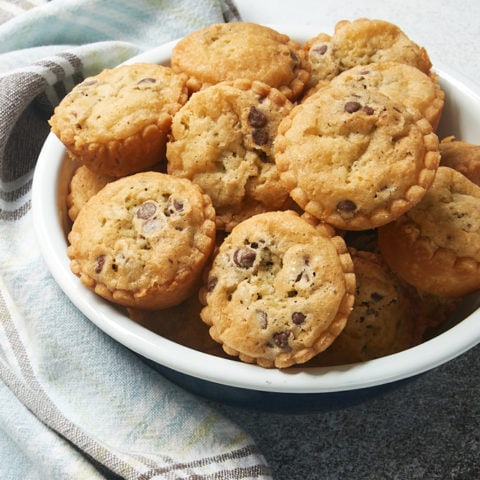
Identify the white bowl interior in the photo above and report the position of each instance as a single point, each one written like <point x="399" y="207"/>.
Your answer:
<point x="461" y="117"/>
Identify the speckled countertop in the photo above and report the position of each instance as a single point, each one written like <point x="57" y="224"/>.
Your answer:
<point x="428" y="428"/>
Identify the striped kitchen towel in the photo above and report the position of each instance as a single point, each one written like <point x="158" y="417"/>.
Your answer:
<point x="74" y="404"/>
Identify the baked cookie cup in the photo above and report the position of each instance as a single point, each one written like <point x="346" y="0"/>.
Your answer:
<point x="222" y="140"/>
<point x="228" y="51"/>
<point x="367" y="40"/>
<point x="360" y="42"/>
<point x="355" y="158"/>
<point x="434" y="246"/>
<point x="118" y="121"/>
<point x="386" y="316"/>
<point x="143" y="240"/>
<point x="402" y="83"/>
<point x="279" y="290"/>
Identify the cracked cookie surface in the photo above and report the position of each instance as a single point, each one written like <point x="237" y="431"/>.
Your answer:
<point x="222" y="140"/>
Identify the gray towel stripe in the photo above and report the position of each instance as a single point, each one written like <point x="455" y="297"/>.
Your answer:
<point x="253" y="471"/>
<point x="32" y="395"/>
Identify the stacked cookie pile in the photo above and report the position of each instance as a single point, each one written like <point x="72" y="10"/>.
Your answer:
<point x="294" y="197"/>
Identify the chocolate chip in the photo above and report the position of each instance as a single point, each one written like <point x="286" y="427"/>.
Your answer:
<point x="173" y="206"/>
<point x="280" y="339"/>
<point x="257" y="118"/>
<point x="146" y="210"/>
<point x="100" y="262"/>
<point x="368" y="110"/>
<point x="352" y="107"/>
<point x="346" y="206"/>
<point x="260" y="137"/>
<point x="262" y="318"/>
<point x="244" y="258"/>
<point x="212" y="283"/>
<point x="321" y="50"/>
<point x="376" y="297"/>
<point x="146" y="80"/>
<point x="298" y="318"/>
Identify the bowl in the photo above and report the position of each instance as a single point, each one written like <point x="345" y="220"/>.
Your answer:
<point x="294" y="389"/>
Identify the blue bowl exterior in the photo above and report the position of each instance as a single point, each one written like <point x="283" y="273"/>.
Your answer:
<point x="274" y="402"/>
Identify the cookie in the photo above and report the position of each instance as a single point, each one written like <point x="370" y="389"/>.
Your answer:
<point x="360" y="42"/>
<point x="180" y="324"/>
<point x="84" y="185"/>
<point x="279" y="290"/>
<point x="323" y="61"/>
<point x="434" y="246"/>
<point x="229" y="51"/>
<point x="117" y="122"/>
<point x="384" y="319"/>
<point x="438" y="311"/>
<point x="355" y="158"/>
<point x="461" y="156"/>
<point x="402" y="83"/>
<point x="143" y="240"/>
<point x="222" y="140"/>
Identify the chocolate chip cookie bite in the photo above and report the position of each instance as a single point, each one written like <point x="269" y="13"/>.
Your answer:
<point x="279" y="290"/>
<point x="142" y="241"/>
<point x="222" y="140"/>
<point x="229" y="51"/>
<point x="117" y="122"/>
<point x="360" y="42"/>
<point x="355" y="158"/>
<point x="402" y="83"/>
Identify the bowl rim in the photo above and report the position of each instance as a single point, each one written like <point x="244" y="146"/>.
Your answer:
<point x="48" y="227"/>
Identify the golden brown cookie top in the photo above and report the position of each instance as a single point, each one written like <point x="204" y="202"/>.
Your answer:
<point x="143" y="240"/>
<point x="402" y="83"/>
<point x="117" y="121"/>
<point x="229" y="51"/>
<point x="119" y="102"/>
<point x="354" y="157"/>
<point x="222" y="140"/>
<point x="360" y="42"/>
<point x="279" y="290"/>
